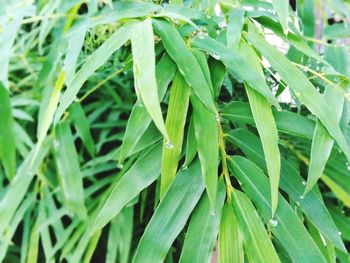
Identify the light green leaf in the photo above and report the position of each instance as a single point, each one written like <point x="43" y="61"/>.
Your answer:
<point x="82" y="126"/>
<point x="170" y="216"/>
<point x="286" y="225"/>
<point x="302" y="88"/>
<point x="234" y="28"/>
<point x="186" y="62"/>
<point x="96" y="60"/>
<point x="7" y="135"/>
<point x="144" y="172"/>
<point x="230" y="243"/>
<point x="266" y="126"/>
<point x="203" y="228"/>
<point x="206" y="126"/>
<point x="68" y="169"/>
<point x="322" y="142"/>
<point x="282" y="10"/>
<point x="142" y="43"/>
<point x="139" y="119"/>
<point x="257" y="243"/>
<point x="175" y="124"/>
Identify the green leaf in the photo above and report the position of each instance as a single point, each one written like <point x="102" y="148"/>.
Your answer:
<point x="175" y="124"/>
<point x="7" y="135"/>
<point x="292" y="183"/>
<point x="82" y="126"/>
<point x="68" y="169"/>
<point x="144" y="172"/>
<point x="142" y="43"/>
<point x="238" y="65"/>
<point x="266" y="126"/>
<point x="302" y="88"/>
<point x="205" y="126"/>
<point x="282" y="10"/>
<point x="186" y="62"/>
<point x="257" y="243"/>
<point x="234" y="28"/>
<point x="230" y="243"/>
<point x="170" y="216"/>
<point x="203" y="228"/>
<point x="139" y="119"/>
<point x="286" y="225"/>
<point x="96" y="60"/>
<point x="240" y="112"/>
<point x="322" y="142"/>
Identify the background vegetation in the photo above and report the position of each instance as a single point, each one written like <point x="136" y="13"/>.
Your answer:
<point x="187" y="131"/>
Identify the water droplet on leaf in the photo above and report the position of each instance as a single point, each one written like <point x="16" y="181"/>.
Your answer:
<point x="301" y="197"/>
<point x="169" y="145"/>
<point x="273" y="222"/>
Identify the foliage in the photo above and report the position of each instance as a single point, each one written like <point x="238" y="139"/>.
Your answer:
<point x="136" y="131"/>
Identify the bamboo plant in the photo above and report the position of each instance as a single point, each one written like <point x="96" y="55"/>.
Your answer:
<point x="182" y="131"/>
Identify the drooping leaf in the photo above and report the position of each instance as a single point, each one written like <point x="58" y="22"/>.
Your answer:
<point x="7" y="135"/>
<point x="322" y="142"/>
<point x="266" y="126"/>
<point x="203" y="228"/>
<point x="139" y="119"/>
<point x="205" y="126"/>
<point x="175" y="124"/>
<point x="230" y="243"/>
<point x="256" y="240"/>
<point x="170" y="216"/>
<point x="142" y="43"/>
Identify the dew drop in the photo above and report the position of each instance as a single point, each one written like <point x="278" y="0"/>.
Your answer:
<point x="56" y="144"/>
<point x="339" y="233"/>
<point x="76" y="99"/>
<point x="169" y="145"/>
<point x="273" y="222"/>
<point x="184" y="167"/>
<point x="217" y="117"/>
<point x="347" y="166"/>
<point x="301" y="197"/>
<point x="217" y="57"/>
<point x="303" y="182"/>
<point x="201" y="35"/>
<point x="120" y="166"/>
